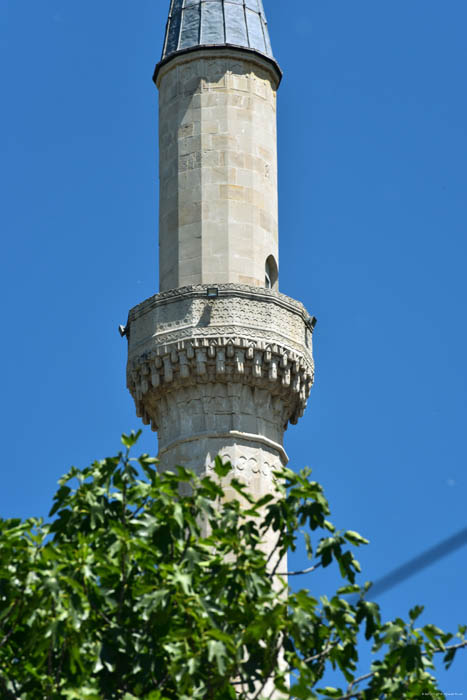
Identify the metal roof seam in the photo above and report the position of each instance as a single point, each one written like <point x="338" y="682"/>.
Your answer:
<point x="184" y="30"/>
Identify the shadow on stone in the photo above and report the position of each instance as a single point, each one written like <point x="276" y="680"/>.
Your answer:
<point x="205" y="319"/>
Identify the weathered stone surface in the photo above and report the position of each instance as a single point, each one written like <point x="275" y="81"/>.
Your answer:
<point x="218" y="168"/>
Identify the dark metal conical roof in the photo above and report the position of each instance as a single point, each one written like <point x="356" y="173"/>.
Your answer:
<point x="196" y="24"/>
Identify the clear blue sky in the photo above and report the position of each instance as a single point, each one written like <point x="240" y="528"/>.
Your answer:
<point x="372" y="177"/>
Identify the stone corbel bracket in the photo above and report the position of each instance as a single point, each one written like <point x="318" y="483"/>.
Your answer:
<point x="244" y="335"/>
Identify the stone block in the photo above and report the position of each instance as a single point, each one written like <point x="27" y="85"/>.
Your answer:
<point x="189" y="214"/>
<point x="210" y="158"/>
<point x="233" y="192"/>
<point x="191" y="144"/>
<point x="220" y="175"/>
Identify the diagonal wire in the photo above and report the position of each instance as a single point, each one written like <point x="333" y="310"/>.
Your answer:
<point x="412" y="567"/>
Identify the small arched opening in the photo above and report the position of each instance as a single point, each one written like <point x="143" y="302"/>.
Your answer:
<point x="271" y="273"/>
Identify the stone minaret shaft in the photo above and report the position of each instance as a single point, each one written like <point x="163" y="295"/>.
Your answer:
<point x="219" y="361"/>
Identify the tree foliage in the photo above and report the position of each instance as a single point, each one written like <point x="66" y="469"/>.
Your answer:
<point x="136" y="591"/>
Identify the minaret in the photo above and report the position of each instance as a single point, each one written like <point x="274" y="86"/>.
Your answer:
<point x="219" y="361"/>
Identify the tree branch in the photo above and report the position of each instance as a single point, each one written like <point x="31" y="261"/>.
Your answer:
<point x="273" y="551"/>
<point x="8" y="694"/>
<point x="298" y="573"/>
<point x="185" y="548"/>
<point x="58" y="674"/>
<point x="271" y="673"/>
<point x="351" y="685"/>
<point x="367" y="676"/>
<point x="141" y="508"/>
<point x="321" y="655"/>
<point x="453" y="647"/>
<point x="7" y="636"/>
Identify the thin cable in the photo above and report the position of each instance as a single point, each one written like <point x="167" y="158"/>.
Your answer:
<point x="414" y="566"/>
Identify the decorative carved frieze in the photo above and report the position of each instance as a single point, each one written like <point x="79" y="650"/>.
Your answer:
<point x="246" y="336"/>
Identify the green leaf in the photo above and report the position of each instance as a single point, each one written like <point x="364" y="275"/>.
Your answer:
<point x="345" y="590"/>
<point x="222" y="468"/>
<point x="411" y="655"/>
<point x="355" y="538"/>
<point x="184" y="580"/>
<point x="449" y="658"/>
<point x="178" y="515"/>
<point x="217" y="652"/>
<point x="434" y="634"/>
<point x="329" y="692"/>
<point x="131" y="439"/>
<point x="83" y="693"/>
<point x="415" y="613"/>
<point x="146" y="460"/>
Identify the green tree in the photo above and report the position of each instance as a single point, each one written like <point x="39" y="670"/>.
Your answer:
<point x="136" y="591"/>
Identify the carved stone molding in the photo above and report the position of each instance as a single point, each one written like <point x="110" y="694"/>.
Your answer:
<point x="227" y="290"/>
<point x="224" y="361"/>
<point x="246" y="336"/>
<point x="253" y="461"/>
